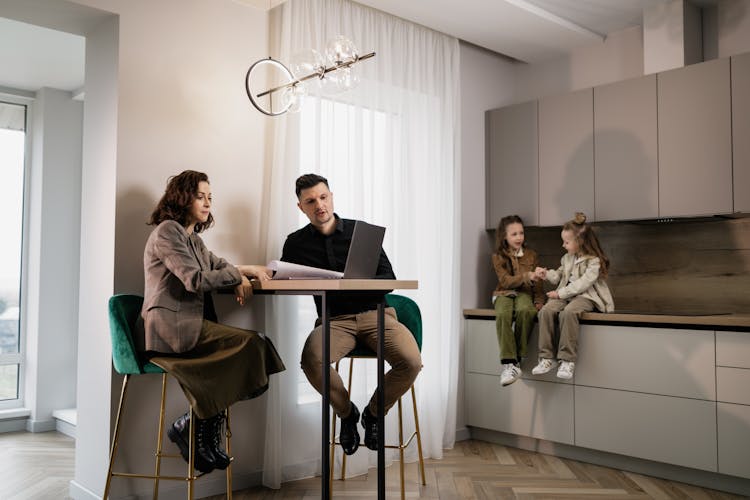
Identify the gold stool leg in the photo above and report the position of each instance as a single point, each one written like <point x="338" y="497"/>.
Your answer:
<point x="419" y="435"/>
<point x="116" y="437"/>
<point x="349" y="390"/>
<point x="401" y="447"/>
<point x="229" y="452"/>
<point x="160" y="438"/>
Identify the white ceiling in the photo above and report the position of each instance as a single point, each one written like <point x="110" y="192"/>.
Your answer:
<point x="527" y="30"/>
<point x="32" y="57"/>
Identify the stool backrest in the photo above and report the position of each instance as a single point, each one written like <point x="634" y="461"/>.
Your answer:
<point x="123" y="313"/>
<point x="408" y="314"/>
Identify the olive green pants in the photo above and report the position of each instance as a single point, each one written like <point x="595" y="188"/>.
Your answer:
<point x="513" y="336"/>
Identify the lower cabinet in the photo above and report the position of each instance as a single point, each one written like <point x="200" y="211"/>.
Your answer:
<point x="667" y="395"/>
<point x="542" y="410"/>
<point x="734" y="439"/>
<point x="673" y="430"/>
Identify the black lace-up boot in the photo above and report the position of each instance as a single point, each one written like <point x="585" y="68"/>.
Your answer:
<point x="222" y="460"/>
<point x="179" y="434"/>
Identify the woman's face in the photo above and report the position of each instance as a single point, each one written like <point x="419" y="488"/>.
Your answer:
<point x="569" y="242"/>
<point x="514" y="235"/>
<point x="201" y="206"/>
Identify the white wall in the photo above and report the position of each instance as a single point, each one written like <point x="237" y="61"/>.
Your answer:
<point x="487" y="82"/>
<point x="619" y="57"/>
<point x="55" y="207"/>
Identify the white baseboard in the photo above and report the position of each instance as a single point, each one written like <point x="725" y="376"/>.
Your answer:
<point x="13" y="425"/>
<point x="463" y="433"/>
<point x="41" y="425"/>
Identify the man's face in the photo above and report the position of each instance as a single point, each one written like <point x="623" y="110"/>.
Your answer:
<point x="317" y="203"/>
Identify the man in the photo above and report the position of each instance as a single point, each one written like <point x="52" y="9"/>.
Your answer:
<point x="324" y="243"/>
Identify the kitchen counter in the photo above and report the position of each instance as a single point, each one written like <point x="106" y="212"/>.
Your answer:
<point x="737" y="322"/>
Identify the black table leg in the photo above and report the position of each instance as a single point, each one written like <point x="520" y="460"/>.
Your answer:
<point x="381" y="400"/>
<point x="325" y="486"/>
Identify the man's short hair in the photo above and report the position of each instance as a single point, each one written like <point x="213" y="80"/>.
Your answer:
<point x="308" y="181"/>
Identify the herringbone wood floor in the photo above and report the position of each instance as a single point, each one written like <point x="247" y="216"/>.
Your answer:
<point x="40" y="466"/>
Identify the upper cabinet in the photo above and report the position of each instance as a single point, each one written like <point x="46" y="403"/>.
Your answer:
<point x="566" y="157"/>
<point x="695" y="146"/>
<point x="512" y="163"/>
<point x="626" y="161"/>
<point x="741" y="131"/>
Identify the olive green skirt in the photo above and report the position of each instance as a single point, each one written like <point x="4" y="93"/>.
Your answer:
<point x="227" y="365"/>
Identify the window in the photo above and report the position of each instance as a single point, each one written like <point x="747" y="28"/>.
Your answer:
<point x="349" y="145"/>
<point x="12" y="153"/>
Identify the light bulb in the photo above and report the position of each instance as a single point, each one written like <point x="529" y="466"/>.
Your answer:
<point x="340" y="51"/>
<point x="307" y="62"/>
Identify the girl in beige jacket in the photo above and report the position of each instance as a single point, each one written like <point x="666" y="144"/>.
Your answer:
<point x="581" y="287"/>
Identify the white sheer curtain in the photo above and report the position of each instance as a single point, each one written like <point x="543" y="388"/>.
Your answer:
<point x="389" y="149"/>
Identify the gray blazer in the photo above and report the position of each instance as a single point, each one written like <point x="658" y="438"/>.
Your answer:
<point x="178" y="269"/>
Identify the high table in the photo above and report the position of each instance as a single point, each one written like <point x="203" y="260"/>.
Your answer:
<point x="326" y="289"/>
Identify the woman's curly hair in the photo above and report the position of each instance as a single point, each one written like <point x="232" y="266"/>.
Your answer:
<point x="177" y="199"/>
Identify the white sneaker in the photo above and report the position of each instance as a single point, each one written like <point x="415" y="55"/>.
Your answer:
<point x="510" y="374"/>
<point x="566" y="370"/>
<point x="545" y="365"/>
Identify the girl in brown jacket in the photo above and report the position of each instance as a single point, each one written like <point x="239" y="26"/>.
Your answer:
<point x="517" y="297"/>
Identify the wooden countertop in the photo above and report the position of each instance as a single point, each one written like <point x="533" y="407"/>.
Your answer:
<point x="719" y="321"/>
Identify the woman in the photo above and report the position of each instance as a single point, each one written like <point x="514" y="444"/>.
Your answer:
<point x="215" y="364"/>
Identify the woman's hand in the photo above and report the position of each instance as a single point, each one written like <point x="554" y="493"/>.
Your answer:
<point x="553" y="294"/>
<point x="538" y="306"/>
<point x="261" y="273"/>
<point x="243" y="291"/>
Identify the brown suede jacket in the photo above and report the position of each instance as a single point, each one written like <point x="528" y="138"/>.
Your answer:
<point x="513" y="274"/>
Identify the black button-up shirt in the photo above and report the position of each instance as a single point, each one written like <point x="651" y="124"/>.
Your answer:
<point x="310" y="247"/>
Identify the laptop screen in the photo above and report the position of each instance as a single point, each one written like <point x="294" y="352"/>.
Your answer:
<point x="364" y="251"/>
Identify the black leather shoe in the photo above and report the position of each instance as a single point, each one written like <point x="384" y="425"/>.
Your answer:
<point x="221" y="459"/>
<point x="179" y="434"/>
<point x="349" y="437"/>
<point x="370" y="423"/>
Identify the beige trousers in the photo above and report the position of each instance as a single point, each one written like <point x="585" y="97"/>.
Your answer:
<point x="401" y="352"/>
<point x="566" y="314"/>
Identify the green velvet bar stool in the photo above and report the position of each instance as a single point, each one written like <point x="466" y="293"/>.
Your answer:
<point x="123" y="313"/>
<point x="409" y="315"/>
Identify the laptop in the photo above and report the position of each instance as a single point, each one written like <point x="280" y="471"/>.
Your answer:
<point x="364" y="251"/>
<point x="361" y="261"/>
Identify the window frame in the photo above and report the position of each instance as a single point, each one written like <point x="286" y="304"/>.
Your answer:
<point x="19" y="358"/>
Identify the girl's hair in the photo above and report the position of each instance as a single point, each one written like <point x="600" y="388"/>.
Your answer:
<point x="588" y="243"/>
<point x="501" y="246"/>
<point x="175" y="204"/>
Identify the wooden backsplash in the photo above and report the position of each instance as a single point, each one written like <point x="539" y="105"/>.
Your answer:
<point x="689" y="266"/>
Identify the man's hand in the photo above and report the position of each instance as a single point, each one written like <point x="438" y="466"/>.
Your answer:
<point x="243" y="291"/>
<point x="553" y="294"/>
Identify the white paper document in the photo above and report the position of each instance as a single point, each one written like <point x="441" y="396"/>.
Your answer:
<point x="288" y="271"/>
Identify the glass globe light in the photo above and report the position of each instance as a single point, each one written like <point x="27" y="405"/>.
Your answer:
<point x="341" y="51"/>
<point x="307" y="62"/>
<point x="292" y="98"/>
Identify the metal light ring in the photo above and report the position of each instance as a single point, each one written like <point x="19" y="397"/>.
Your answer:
<point x="257" y="106"/>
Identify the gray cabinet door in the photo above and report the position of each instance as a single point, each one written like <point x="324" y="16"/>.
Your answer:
<point x="512" y="163"/>
<point x="695" y="150"/>
<point x="741" y="131"/>
<point x="733" y="423"/>
<point x="566" y="157"/>
<point x="680" y="431"/>
<point x="625" y="150"/>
